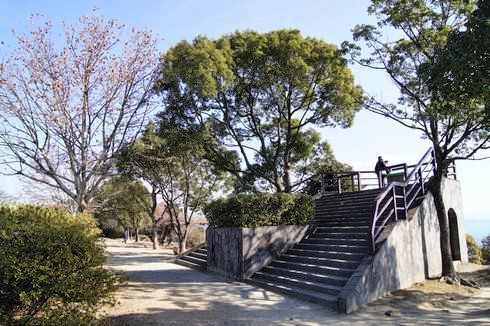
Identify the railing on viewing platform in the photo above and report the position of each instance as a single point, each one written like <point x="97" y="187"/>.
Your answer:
<point x="402" y="187"/>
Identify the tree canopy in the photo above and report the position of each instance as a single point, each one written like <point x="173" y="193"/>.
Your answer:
<point x="68" y="103"/>
<point x="259" y="97"/>
<point x="124" y="200"/>
<point x="461" y="71"/>
<point x="171" y="160"/>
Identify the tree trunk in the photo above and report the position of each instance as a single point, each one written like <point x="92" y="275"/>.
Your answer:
<point x="445" y="241"/>
<point x="136" y="235"/>
<point x="183" y="242"/>
<point x="155" y="235"/>
<point x="82" y="206"/>
<point x="154" y="205"/>
<point x="286" y="178"/>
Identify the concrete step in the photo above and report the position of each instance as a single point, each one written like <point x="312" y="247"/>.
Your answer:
<point x="319" y="278"/>
<point x="361" y="218"/>
<point x="346" y="203"/>
<point x="192" y="265"/>
<point x="297" y="283"/>
<point x="354" y="256"/>
<point x="310" y="296"/>
<point x="339" y="235"/>
<point x="202" y="251"/>
<point x="344" y="212"/>
<point x="343" y="215"/>
<point x="333" y="241"/>
<point x="350" y="248"/>
<point x="360" y="195"/>
<point x="312" y="268"/>
<point x="327" y="262"/>
<point x="338" y="222"/>
<point x="193" y="260"/>
<point x="199" y="255"/>
<point x="342" y="229"/>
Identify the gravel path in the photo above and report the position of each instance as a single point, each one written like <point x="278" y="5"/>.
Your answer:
<point x="161" y="293"/>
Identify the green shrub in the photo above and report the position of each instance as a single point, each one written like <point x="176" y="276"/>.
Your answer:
<point x="262" y="209"/>
<point x="51" y="267"/>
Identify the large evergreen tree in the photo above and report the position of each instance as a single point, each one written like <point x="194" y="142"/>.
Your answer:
<point x="259" y="96"/>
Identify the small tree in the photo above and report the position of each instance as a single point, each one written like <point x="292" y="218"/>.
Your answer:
<point x="171" y="161"/>
<point x="127" y="201"/>
<point x="485" y="250"/>
<point x="474" y="250"/>
<point x="66" y="110"/>
<point x="456" y="129"/>
<point x="259" y="96"/>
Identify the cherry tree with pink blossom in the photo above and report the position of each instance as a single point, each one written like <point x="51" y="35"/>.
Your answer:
<point x="70" y="101"/>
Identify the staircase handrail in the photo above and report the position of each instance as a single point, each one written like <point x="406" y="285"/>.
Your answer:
<point x="389" y="196"/>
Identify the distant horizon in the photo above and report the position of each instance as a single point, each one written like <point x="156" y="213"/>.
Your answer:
<point x="477" y="228"/>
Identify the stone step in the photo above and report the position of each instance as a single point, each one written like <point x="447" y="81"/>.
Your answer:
<point x="297" y="283"/>
<point x="354" y="256"/>
<point x="311" y="268"/>
<point x="310" y="296"/>
<point x="327" y="262"/>
<point x="202" y="251"/>
<point x="326" y="279"/>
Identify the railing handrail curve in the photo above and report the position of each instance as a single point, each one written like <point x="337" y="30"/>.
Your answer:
<point x="390" y="191"/>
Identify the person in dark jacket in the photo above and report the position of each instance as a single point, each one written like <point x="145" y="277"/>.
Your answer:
<point x="381" y="171"/>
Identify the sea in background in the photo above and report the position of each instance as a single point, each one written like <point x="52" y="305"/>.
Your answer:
<point x="479" y="229"/>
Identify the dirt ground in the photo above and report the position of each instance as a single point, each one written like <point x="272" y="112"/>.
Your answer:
<point x="159" y="292"/>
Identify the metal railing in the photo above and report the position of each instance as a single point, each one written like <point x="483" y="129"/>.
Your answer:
<point x="398" y="197"/>
<point x="406" y="185"/>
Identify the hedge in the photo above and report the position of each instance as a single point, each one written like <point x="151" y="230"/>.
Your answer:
<point x="51" y="267"/>
<point x="261" y="209"/>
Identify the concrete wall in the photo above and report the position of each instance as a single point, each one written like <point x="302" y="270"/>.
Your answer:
<point x="410" y="254"/>
<point x="237" y="253"/>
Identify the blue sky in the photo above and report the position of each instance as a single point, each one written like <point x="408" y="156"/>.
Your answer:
<point x="329" y="20"/>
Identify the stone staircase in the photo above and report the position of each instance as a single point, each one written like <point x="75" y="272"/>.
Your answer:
<point x="194" y="258"/>
<point x="317" y="268"/>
